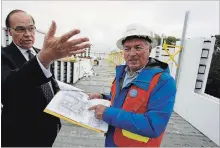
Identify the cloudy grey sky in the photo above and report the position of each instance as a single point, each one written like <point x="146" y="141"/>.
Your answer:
<point x="104" y="21"/>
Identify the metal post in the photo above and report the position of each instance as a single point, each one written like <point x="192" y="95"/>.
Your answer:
<point x="89" y="50"/>
<point x="85" y="53"/>
<point x="181" y="44"/>
<point x="161" y="41"/>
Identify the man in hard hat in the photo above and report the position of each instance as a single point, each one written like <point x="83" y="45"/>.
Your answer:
<point x="142" y="94"/>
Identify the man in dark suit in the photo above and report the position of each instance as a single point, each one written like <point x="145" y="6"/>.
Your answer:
<point x="27" y="83"/>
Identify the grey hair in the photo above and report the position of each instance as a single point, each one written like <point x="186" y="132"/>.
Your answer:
<point x="149" y="44"/>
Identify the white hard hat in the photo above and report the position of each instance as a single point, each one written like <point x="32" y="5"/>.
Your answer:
<point x="137" y="30"/>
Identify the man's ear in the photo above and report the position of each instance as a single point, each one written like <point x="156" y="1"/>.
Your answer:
<point x="9" y="32"/>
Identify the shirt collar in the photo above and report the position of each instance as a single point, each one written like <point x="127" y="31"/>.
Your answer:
<point x="138" y="71"/>
<point x="23" y="51"/>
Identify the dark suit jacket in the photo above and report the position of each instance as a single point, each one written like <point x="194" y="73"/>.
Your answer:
<point x="23" y="121"/>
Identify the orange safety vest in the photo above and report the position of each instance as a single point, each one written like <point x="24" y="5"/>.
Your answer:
<point x="123" y="138"/>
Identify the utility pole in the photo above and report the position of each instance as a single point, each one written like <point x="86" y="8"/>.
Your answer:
<point x="182" y="42"/>
<point x="161" y="41"/>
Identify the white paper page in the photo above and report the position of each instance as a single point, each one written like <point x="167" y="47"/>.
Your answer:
<point x="74" y="105"/>
<point x="64" y="86"/>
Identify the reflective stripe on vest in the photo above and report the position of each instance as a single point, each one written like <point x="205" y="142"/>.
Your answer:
<point x="138" y="104"/>
<point x="135" y="136"/>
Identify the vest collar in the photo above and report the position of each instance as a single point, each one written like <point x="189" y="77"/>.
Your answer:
<point x="143" y="79"/>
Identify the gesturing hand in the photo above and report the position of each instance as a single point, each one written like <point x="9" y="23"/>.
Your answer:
<point x="60" y="47"/>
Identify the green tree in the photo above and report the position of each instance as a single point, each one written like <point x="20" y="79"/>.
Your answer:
<point x="217" y="43"/>
<point x="213" y="83"/>
<point x="171" y="40"/>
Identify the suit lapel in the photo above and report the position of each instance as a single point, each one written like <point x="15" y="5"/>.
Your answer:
<point x="15" y="54"/>
<point x="36" y="50"/>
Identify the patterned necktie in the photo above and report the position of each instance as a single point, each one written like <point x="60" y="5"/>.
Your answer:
<point x="45" y="87"/>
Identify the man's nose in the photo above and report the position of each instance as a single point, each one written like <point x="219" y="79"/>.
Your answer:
<point x="132" y="52"/>
<point x="27" y="33"/>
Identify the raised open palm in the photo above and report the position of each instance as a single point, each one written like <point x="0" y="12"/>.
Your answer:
<point x="60" y="47"/>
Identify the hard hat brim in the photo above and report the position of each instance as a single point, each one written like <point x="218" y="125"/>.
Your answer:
<point x="120" y="46"/>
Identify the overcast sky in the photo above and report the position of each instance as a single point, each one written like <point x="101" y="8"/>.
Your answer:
<point x="104" y="21"/>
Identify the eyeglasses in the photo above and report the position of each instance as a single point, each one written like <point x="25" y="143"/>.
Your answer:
<point x="137" y="48"/>
<point x="22" y="29"/>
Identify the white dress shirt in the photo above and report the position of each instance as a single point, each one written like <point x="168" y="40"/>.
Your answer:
<point x="46" y="71"/>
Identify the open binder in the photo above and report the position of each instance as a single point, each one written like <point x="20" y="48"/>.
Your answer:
<point x="71" y="104"/>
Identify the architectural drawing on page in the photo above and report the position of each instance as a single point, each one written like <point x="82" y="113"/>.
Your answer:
<point x="73" y="104"/>
<point x="94" y="122"/>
